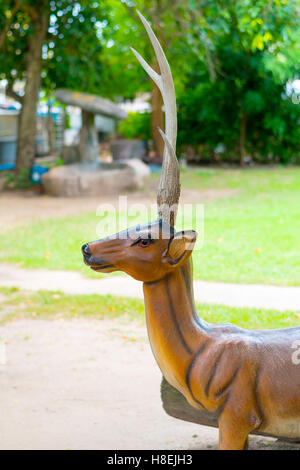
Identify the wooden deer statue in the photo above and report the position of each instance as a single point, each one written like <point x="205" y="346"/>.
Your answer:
<point x="246" y="378"/>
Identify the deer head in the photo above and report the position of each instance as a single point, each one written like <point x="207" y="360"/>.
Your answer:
<point x="145" y="252"/>
<point x="149" y="252"/>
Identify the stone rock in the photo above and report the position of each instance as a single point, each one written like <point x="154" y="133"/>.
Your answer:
<point x="93" y="104"/>
<point x="70" y="154"/>
<point x="93" y="179"/>
<point x="124" y="149"/>
<point x="141" y="170"/>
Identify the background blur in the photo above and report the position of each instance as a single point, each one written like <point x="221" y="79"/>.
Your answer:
<point x="78" y="128"/>
<point x="235" y="66"/>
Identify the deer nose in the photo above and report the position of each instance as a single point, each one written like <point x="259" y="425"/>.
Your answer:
<point x="86" y="249"/>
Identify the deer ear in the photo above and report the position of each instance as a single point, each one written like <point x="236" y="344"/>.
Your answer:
<point x="180" y="247"/>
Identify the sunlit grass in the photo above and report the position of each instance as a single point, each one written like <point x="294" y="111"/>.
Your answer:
<point x="18" y="304"/>
<point x="250" y="236"/>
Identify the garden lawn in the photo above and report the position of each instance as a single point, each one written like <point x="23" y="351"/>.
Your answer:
<point x="251" y="236"/>
<point x="18" y="304"/>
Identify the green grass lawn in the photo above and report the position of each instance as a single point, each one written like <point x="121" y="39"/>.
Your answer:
<point x="18" y="304"/>
<point x="250" y="236"/>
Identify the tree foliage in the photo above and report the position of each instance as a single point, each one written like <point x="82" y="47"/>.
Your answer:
<point x="231" y="61"/>
<point x="72" y="49"/>
<point x="56" y="40"/>
<point x="235" y="94"/>
<point x="136" y="126"/>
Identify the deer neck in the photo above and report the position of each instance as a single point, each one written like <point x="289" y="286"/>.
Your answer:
<point x="175" y="331"/>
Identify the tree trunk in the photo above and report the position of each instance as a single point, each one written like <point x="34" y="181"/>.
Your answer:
<point x="27" y="121"/>
<point x="50" y="130"/>
<point x="88" y="146"/>
<point x="243" y="127"/>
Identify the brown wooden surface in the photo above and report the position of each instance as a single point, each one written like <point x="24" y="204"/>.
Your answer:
<point x="175" y="405"/>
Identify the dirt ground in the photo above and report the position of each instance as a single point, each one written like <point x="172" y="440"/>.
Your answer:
<point x="82" y="384"/>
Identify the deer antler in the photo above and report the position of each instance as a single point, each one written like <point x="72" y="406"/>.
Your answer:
<point x="169" y="184"/>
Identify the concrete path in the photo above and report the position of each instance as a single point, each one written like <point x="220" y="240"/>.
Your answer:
<point x="235" y="295"/>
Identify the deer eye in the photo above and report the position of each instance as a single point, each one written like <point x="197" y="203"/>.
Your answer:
<point x="144" y="242"/>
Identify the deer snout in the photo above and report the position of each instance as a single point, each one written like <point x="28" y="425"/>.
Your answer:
<point x="86" y="250"/>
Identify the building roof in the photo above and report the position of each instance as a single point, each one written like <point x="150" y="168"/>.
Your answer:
<point x="91" y="103"/>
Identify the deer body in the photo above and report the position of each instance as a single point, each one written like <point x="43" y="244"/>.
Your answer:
<point x="224" y="369"/>
<point x="246" y="378"/>
<point x="174" y="331"/>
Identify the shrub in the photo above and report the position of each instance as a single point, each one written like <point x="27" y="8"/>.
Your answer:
<point x="136" y="126"/>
